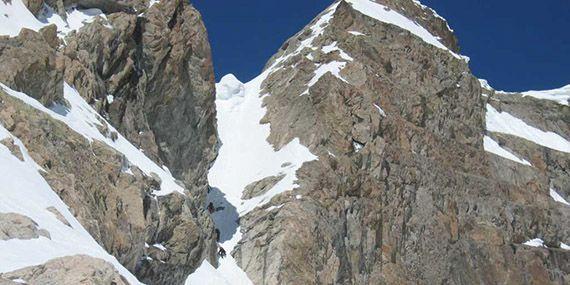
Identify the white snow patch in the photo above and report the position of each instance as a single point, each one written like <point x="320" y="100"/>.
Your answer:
<point x="84" y="120"/>
<point x="206" y="274"/>
<point x="557" y="197"/>
<point x="560" y="95"/>
<point x="19" y="280"/>
<point x="298" y="197"/>
<point x="493" y="147"/>
<point x="382" y="113"/>
<point x="25" y="191"/>
<point x="333" y="67"/>
<point x="564" y="246"/>
<point x="245" y="155"/>
<point x="434" y="12"/>
<point x="333" y="47"/>
<point x="503" y="122"/>
<point x="110" y="99"/>
<point x="535" y="243"/>
<point x="14" y="16"/>
<point x="75" y="19"/>
<point x="228" y="87"/>
<point x="389" y="16"/>
<point x="159" y="246"/>
<point x="485" y="84"/>
<point x="357" y="146"/>
<point x="317" y="29"/>
<point x="152" y="2"/>
<point x="269" y="209"/>
<point x="356" y="33"/>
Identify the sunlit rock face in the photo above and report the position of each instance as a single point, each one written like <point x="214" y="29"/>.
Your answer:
<point x="407" y="187"/>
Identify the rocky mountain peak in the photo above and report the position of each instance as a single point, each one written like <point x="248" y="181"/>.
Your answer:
<point x="366" y="152"/>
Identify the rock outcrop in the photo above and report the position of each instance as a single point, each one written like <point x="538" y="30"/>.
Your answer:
<point x="16" y="226"/>
<point x="151" y="77"/>
<point x="30" y="64"/>
<point x="403" y="190"/>
<point x="86" y="270"/>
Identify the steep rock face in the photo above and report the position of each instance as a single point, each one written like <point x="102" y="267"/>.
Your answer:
<point x="403" y="190"/>
<point x="151" y="77"/>
<point x="30" y="64"/>
<point x="158" y="70"/>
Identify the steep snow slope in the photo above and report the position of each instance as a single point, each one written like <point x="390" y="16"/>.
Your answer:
<point x="244" y="158"/>
<point x="85" y="121"/>
<point x="503" y="122"/>
<point x="15" y="16"/>
<point x="389" y="16"/>
<point x="560" y="95"/>
<point x="24" y="191"/>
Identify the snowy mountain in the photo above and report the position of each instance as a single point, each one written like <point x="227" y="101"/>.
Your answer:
<point x="366" y="152"/>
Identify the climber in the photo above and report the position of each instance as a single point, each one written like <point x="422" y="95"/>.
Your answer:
<point x="217" y="235"/>
<point x="211" y="208"/>
<point x="222" y="252"/>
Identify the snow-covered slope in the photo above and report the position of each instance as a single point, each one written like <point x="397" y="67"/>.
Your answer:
<point x="503" y="122"/>
<point x="389" y="16"/>
<point x="15" y="16"/>
<point x="245" y="157"/>
<point x="84" y="120"/>
<point x="560" y="95"/>
<point x="24" y="191"/>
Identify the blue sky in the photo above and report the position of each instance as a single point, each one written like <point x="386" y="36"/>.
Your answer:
<point x="516" y="45"/>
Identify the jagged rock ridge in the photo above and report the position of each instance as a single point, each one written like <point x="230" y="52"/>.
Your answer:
<point x="407" y="187"/>
<point x="112" y="91"/>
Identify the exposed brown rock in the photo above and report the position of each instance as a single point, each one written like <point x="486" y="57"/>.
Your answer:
<point x="421" y="202"/>
<point x="69" y="270"/>
<point x="29" y="64"/>
<point x="59" y="216"/>
<point x="261" y="187"/>
<point x="16" y="226"/>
